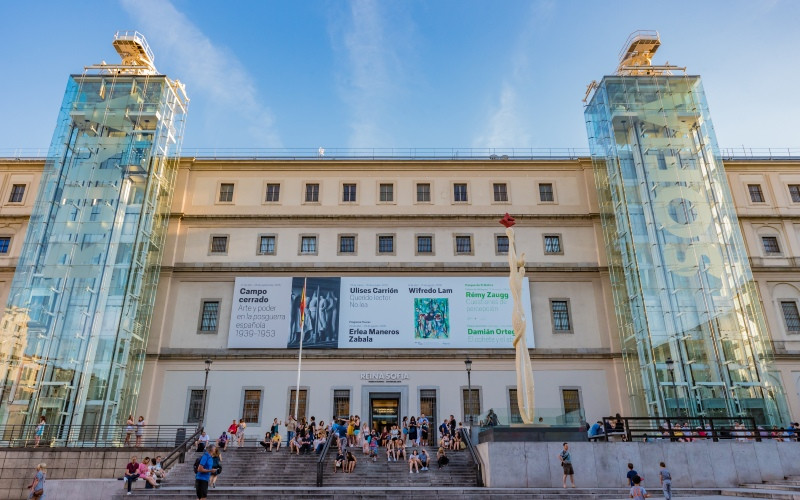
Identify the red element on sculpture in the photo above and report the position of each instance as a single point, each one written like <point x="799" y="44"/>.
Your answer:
<point x="508" y="221"/>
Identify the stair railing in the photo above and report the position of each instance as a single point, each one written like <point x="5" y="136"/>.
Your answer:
<point x="476" y="459"/>
<point x="179" y="452"/>
<point x="321" y="459"/>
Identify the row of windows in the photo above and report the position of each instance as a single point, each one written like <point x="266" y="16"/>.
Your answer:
<point x="386" y="243"/>
<point x="559" y="314"/>
<point x="757" y="194"/>
<point x="470" y="405"/>
<point x="386" y="192"/>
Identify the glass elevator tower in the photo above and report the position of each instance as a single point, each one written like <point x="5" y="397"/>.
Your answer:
<point x="74" y="331"/>
<point x="692" y="330"/>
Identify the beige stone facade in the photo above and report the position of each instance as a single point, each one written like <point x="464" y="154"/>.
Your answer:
<point x="229" y="201"/>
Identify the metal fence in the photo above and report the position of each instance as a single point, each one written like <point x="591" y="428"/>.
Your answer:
<point x="688" y="429"/>
<point x="91" y="436"/>
<point x="492" y="154"/>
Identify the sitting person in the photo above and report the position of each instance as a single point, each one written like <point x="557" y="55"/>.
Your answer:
<point x="267" y="442"/>
<point x="423" y="459"/>
<point x="455" y="443"/>
<point x="350" y="462"/>
<point x="294" y="444"/>
<point x="384" y="437"/>
<point x="400" y="450"/>
<point x="202" y="442"/>
<point x="445" y="441"/>
<point x="413" y="462"/>
<point x="596" y="430"/>
<point x="319" y="444"/>
<point x="222" y="441"/>
<point x="391" y="456"/>
<point x="306" y="443"/>
<point x="339" y="462"/>
<point x="144" y="473"/>
<point x="275" y="442"/>
<point x="131" y="474"/>
<point x="158" y="471"/>
<point x="441" y="458"/>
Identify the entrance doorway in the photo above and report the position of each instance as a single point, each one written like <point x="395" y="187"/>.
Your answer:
<point x="384" y="410"/>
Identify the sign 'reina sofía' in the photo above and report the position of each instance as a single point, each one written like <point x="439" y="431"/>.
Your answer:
<point x="374" y="313"/>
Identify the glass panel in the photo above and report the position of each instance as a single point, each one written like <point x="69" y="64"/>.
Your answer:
<point x="771" y="245"/>
<point x="427" y="407"/>
<point x="349" y="192"/>
<point x="560" y="315"/>
<point x="570" y="399"/>
<point x="273" y="192"/>
<point x="5" y="243"/>
<point x="219" y="244"/>
<point x="516" y="417"/>
<point x="195" y="406"/>
<point x="460" y="192"/>
<point x="471" y="406"/>
<point x="312" y="193"/>
<point x="347" y="244"/>
<point x="17" y="192"/>
<point x="756" y="195"/>
<point x="546" y="192"/>
<point x="500" y="192"/>
<point x="424" y="244"/>
<point x="308" y="244"/>
<point x="502" y="244"/>
<point x="226" y="192"/>
<point x="794" y="192"/>
<point x="266" y="245"/>
<point x="385" y="244"/>
<point x="552" y="244"/>
<point x="387" y="192"/>
<point x="463" y="244"/>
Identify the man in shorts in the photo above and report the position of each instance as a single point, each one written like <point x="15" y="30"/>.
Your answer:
<point x="204" y="469"/>
<point x="566" y="464"/>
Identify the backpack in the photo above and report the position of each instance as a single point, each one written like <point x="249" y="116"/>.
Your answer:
<point x="196" y="465"/>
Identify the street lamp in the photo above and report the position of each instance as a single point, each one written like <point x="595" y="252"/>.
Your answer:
<point x="670" y="366"/>
<point x="205" y="385"/>
<point x="468" y="365"/>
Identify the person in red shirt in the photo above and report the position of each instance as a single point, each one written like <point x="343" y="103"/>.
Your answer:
<point x="131" y="474"/>
<point x="232" y="430"/>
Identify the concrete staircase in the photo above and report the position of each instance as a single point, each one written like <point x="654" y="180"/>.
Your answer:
<point x="788" y="489"/>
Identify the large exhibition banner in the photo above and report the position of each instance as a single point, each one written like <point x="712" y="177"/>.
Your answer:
<point x="375" y="312"/>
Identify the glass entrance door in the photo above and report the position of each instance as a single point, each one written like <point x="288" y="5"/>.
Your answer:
<point x="384" y="412"/>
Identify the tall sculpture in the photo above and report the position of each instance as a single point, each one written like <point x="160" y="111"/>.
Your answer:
<point x="519" y="323"/>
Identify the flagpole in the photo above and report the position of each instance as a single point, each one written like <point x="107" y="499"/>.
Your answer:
<point x="300" y="354"/>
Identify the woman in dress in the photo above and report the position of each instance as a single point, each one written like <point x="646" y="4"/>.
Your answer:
<point x="240" y="432"/>
<point x="216" y="467"/>
<point x="139" y="431"/>
<point x="404" y="429"/>
<point x="129" y="427"/>
<point x="39" y="431"/>
<point x="37" y="486"/>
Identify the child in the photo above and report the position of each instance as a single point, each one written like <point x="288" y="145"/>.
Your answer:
<point x="339" y="462"/>
<point x="638" y="492"/>
<point x="666" y="481"/>
<point x="373" y="448"/>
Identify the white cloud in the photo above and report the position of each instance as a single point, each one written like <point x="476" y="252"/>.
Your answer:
<point x="372" y="72"/>
<point x="211" y="73"/>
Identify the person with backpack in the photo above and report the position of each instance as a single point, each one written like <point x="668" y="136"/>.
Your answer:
<point x="203" y="467"/>
<point x="637" y="491"/>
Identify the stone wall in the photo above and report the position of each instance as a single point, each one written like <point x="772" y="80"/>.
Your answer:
<point x="18" y="466"/>
<point x="604" y="465"/>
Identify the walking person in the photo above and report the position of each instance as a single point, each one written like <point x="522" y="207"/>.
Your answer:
<point x="216" y="464"/>
<point x="139" y="431"/>
<point x="232" y="430"/>
<point x="666" y="481"/>
<point x="566" y="464"/>
<point x="129" y="427"/>
<point x="204" y="469"/>
<point x="39" y="431"/>
<point x="37" y="486"/>
<point x="240" y="433"/>
<point x="630" y="475"/>
<point x="637" y="490"/>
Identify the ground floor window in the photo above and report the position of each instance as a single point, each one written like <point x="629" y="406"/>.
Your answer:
<point x="301" y="409"/>
<point x="251" y="405"/>
<point x="471" y="406"/>
<point x="195" y="412"/>
<point x="341" y="403"/>
<point x="427" y="405"/>
<point x="571" y="400"/>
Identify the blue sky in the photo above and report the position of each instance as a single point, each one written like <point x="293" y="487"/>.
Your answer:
<point x="404" y="73"/>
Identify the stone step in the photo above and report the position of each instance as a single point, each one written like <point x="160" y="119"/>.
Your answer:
<point x="773" y="486"/>
<point x="760" y="493"/>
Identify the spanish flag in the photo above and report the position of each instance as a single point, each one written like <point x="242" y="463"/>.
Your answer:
<point x="303" y="306"/>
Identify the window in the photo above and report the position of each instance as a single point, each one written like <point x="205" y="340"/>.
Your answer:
<point x="386" y="243"/>
<point x="771" y="245"/>
<point x="460" y="193"/>
<point x="560" y="313"/>
<point x="209" y="316"/>
<point x="571" y="401"/>
<point x="347" y="244"/>
<point x="427" y="405"/>
<point x="513" y="405"/>
<point x="500" y="192"/>
<point x="546" y="193"/>
<point x="303" y="402"/>
<point x="195" y="412"/>
<point x="308" y="245"/>
<point x="348" y="193"/>
<point x="341" y="403"/>
<point x="471" y="406"/>
<point x="386" y="194"/>
<point x="794" y="192"/>
<point x="552" y="244"/>
<point x="266" y="245"/>
<point x="424" y="244"/>
<point x="251" y="406"/>
<point x="791" y="316"/>
<point x="226" y="193"/>
<point x="756" y="195"/>
<point x="312" y="193"/>
<point x="463" y="245"/>
<point x="501" y="244"/>
<point x="423" y="193"/>
<point x="219" y="244"/>
<point x="273" y="193"/>
<point x="17" y="192"/>
<point x="5" y="244"/>
<point x="94" y="214"/>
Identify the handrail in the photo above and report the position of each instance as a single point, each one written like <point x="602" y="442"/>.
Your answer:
<point x="179" y="452"/>
<point x="476" y="459"/>
<point x="88" y="436"/>
<point x="714" y="428"/>
<point x="322" y="456"/>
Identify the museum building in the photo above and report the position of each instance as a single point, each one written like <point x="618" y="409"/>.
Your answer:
<point x="147" y="275"/>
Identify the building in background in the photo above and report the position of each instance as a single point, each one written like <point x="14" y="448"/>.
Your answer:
<point x="79" y="306"/>
<point x="691" y="326"/>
